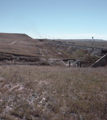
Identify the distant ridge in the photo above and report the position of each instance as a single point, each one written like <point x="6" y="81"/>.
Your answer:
<point x="80" y="39"/>
<point x="14" y="36"/>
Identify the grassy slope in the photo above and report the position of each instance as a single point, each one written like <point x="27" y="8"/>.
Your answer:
<point x="53" y="93"/>
<point x="24" y="45"/>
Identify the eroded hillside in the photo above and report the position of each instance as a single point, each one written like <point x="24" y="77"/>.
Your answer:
<point x="21" y="49"/>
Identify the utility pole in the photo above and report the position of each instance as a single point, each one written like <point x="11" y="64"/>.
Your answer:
<point x="92" y="43"/>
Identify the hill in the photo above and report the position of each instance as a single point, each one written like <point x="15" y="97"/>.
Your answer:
<point x="16" y="43"/>
<point x="20" y="48"/>
<point x="13" y="36"/>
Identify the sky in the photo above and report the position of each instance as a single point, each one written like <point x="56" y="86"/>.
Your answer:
<point x="55" y="19"/>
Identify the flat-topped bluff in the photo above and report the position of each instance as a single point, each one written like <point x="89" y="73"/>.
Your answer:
<point x="14" y="36"/>
<point x="17" y="43"/>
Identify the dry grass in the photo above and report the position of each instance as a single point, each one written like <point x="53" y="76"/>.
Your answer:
<point x="52" y="93"/>
<point x="23" y="45"/>
<point x="88" y="43"/>
<point x="99" y="44"/>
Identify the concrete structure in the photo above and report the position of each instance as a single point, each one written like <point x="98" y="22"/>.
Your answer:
<point x="100" y="62"/>
<point x="74" y="63"/>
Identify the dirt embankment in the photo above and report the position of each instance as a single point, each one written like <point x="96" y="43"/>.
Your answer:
<point x="9" y="58"/>
<point x="17" y="59"/>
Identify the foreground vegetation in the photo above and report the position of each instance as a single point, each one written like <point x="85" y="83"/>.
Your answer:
<point x="53" y="93"/>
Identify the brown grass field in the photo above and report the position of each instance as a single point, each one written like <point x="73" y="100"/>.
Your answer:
<point x="53" y="93"/>
<point x="88" y="42"/>
<point x="99" y="44"/>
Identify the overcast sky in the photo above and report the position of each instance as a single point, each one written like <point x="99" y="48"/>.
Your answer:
<point x="55" y="18"/>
